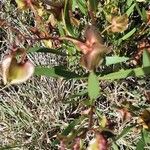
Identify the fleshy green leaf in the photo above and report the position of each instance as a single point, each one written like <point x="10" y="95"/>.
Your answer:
<point x="138" y="9"/>
<point x="114" y="146"/>
<point x="115" y="59"/>
<point x="67" y="20"/>
<point x="129" y="2"/>
<point x="130" y="33"/>
<point x="146" y="136"/>
<point x="93" y="5"/>
<point x="146" y="58"/>
<point x="93" y="86"/>
<point x="55" y="72"/>
<point x="141" y="143"/>
<point x="82" y="6"/>
<point x="46" y="50"/>
<point x="122" y="74"/>
<point x="131" y="9"/>
<point x="145" y="139"/>
<point x="144" y="14"/>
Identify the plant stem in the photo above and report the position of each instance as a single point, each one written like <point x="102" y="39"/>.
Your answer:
<point x="106" y="29"/>
<point x="91" y="117"/>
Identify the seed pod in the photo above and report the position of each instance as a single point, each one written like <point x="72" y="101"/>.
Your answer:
<point x="14" y="72"/>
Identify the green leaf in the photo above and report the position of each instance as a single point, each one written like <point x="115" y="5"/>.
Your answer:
<point x="146" y="136"/>
<point x="115" y="59"/>
<point x="69" y="128"/>
<point x="124" y="132"/>
<point x="138" y="9"/>
<point x="141" y="143"/>
<point x="145" y="139"/>
<point x="46" y="50"/>
<point x="129" y="34"/>
<point x="144" y="14"/>
<point x="82" y="6"/>
<point x="61" y="29"/>
<point x="146" y="58"/>
<point x="131" y="9"/>
<point x="93" y="86"/>
<point x="93" y="5"/>
<point x="55" y="72"/>
<point x="67" y="20"/>
<point x="115" y="146"/>
<point x="122" y="74"/>
<point x="129" y="2"/>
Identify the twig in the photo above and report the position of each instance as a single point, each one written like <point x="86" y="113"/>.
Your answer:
<point x="106" y="29"/>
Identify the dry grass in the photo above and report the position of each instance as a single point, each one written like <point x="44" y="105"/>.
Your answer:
<point x="32" y="113"/>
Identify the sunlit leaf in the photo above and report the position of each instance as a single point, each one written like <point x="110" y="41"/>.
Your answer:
<point x="129" y="2"/>
<point x="93" y="86"/>
<point x="115" y="59"/>
<point x="130" y="33"/>
<point x="82" y="6"/>
<point x="93" y="5"/>
<point x="122" y="74"/>
<point x="67" y="20"/>
<point x="146" y="58"/>
<point x="115" y="146"/>
<point x="55" y="72"/>
<point x="130" y="10"/>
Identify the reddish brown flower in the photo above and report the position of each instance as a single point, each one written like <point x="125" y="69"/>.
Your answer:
<point x="94" y="49"/>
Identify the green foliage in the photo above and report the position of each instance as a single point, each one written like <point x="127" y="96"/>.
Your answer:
<point x="146" y="59"/>
<point x="115" y="59"/>
<point x="46" y="50"/>
<point x="137" y="72"/>
<point x="93" y="86"/>
<point x="57" y="71"/>
<point x="93" y="5"/>
<point x="67" y="20"/>
<point x="145" y="139"/>
<point x="130" y="33"/>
